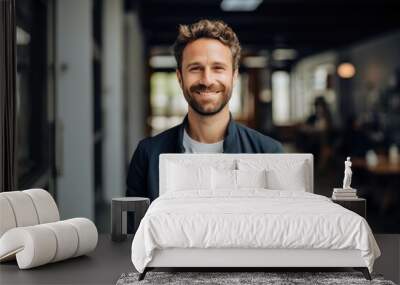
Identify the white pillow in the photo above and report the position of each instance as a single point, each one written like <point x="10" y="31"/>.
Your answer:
<point x="278" y="180"/>
<point x="251" y="178"/>
<point x="223" y="179"/>
<point x="282" y="174"/>
<point x="235" y="179"/>
<point x="188" y="177"/>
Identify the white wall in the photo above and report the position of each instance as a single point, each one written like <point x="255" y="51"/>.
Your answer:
<point x="75" y="185"/>
<point x="113" y="109"/>
<point x="135" y="85"/>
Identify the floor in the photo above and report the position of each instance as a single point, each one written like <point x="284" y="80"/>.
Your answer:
<point x="389" y="262"/>
<point x="102" y="266"/>
<point x="110" y="260"/>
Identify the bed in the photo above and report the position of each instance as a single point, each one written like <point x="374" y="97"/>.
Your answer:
<point x="245" y="211"/>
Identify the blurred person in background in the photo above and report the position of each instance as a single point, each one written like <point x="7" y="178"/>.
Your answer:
<point x="315" y="134"/>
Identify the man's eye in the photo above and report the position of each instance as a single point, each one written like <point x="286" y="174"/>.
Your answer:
<point x="219" y="68"/>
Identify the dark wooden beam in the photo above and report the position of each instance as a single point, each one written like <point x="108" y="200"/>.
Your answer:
<point x="7" y="96"/>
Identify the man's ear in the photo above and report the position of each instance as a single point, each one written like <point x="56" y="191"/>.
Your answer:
<point x="179" y="76"/>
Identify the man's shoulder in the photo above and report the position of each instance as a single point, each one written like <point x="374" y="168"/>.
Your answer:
<point x="163" y="141"/>
<point x="263" y="142"/>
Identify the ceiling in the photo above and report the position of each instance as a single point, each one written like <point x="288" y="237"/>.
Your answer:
<point x="308" y="26"/>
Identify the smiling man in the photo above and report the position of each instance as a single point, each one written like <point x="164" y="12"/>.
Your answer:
<point x="207" y="54"/>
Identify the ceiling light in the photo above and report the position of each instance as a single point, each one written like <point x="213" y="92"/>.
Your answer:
<point x="346" y="70"/>
<point x="240" y="5"/>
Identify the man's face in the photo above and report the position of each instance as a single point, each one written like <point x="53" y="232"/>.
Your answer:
<point x="207" y="76"/>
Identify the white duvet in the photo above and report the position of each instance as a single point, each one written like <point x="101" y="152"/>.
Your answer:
<point x="252" y="218"/>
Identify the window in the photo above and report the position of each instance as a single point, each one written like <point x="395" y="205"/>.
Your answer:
<point x="281" y="97"/>
<point x="33" y="129"/>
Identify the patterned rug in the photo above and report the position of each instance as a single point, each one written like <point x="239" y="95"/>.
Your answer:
<point x="230" y="278"/>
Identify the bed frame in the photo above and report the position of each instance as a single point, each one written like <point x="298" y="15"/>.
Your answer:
<point x="242" y="259"/>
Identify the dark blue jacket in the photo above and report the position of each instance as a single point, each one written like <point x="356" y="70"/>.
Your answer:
<point x="142" y="180"/>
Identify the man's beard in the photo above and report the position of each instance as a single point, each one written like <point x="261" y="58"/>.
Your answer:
<point x="224" y="96"/>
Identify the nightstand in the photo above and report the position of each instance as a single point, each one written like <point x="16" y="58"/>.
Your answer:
<point x="357" y="205"/>
<point x="119" y="209"/>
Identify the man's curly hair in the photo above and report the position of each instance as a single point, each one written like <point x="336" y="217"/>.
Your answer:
<point x="211" y="29"/>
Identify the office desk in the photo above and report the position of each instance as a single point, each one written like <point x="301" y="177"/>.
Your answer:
<point x="102" y="266"/>
<point x="384" y="167"/>
<point x="385" y="179"/>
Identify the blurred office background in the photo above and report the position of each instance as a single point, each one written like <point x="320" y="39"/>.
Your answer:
<point x="96" y="76"/>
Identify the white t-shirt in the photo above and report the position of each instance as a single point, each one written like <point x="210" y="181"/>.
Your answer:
<point x="193" y="146"/>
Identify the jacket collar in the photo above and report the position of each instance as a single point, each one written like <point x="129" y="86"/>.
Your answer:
<point x="230" y="145"/>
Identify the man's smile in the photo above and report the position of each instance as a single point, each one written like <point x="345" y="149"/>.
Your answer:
<point x="207" y="93"/>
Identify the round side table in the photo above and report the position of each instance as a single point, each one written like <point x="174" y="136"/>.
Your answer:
<point x="119" y="209"/>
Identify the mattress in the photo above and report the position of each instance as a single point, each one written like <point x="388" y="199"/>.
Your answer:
<point x="251" y="219"/>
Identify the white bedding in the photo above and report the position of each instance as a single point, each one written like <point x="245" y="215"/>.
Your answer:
<point x="251" y="218"/>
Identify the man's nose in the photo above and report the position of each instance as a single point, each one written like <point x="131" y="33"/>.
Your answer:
<point x="206" y="77"/>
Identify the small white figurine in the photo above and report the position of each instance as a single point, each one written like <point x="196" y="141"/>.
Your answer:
<point x="347" y="174"/>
